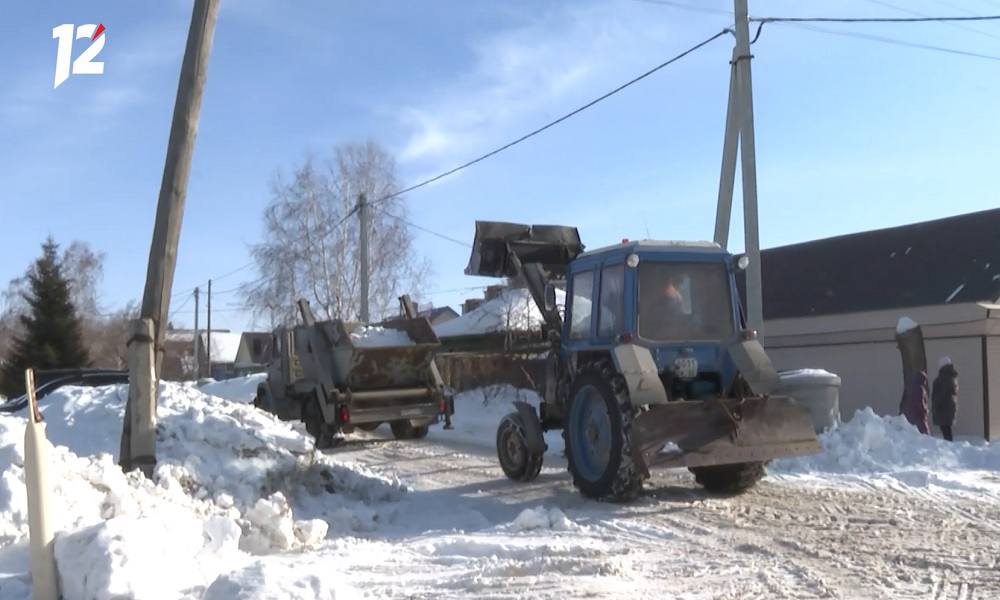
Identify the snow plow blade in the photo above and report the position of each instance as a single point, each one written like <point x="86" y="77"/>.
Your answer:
<point x="722" y="431"/>
<point x="552" y="246"/>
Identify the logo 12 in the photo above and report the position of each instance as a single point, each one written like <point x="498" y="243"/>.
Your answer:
<point x="84" y="64"/>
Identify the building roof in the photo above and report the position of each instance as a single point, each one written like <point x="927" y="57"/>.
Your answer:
<point x="225" y="345"/>
<point x="255" y="349"/>
<point x="438" y="313"/>
<point x="953" y="260"/>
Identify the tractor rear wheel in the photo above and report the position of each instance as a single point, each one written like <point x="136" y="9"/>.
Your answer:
<point x="405" y="430"/>
<point x="729" y="479"/>
<point x="598" y="436"/>
<point x="517" y="461"/>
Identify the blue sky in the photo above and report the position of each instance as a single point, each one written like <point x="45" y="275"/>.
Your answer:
<point x="851" y="134"/>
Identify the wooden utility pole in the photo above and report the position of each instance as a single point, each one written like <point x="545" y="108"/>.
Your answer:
<point x="739" y="129"/>
<point x="363" y="250"/>
<point x="167" y="231"/>
<point x="208" y="334"/>
<point x="197" y="338"/>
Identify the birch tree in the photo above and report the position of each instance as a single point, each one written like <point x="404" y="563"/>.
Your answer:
<point x="310" y="244"/>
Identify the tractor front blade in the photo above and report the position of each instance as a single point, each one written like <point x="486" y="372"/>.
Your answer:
<point x="722" y="431"/>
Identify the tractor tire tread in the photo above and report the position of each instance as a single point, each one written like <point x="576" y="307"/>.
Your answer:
<point x="729" y="479"/>
<point x="627" y="483"/>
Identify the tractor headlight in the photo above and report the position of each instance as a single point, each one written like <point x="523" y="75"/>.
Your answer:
<point x="743" y="262"/>
<point x="632" y="261"/>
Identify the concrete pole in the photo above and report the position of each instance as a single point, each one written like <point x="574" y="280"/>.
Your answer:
<point x="727" y="177"/>
<point x="197" y="337"/>
<point x="170" y="207"/>
<point x="755" y="307"/>
<point x="41" y="533"/>
<point x="363" y="250"/>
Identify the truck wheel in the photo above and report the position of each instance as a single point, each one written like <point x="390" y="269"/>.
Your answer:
<point x="729" y="479"/>
<point x="405" y="430"/>
<point x="598" y="436"/>
<point x="516" y="460"/>
<point x="263" y="398"/>
<point x="324" y="434"/>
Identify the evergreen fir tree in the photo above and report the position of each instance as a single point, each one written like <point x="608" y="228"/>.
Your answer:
<point x="52" y="336"/>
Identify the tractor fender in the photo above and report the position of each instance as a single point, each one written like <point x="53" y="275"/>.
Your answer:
<point x="532" y="427"/>
<point x="636" y="365"/>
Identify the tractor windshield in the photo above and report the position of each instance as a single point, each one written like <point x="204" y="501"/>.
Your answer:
<point x="684" y="301"/>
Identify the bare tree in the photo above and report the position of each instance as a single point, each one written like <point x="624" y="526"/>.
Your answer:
<point x="310" y="246"/>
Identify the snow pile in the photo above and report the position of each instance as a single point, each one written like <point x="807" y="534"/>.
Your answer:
<point x="374" y="336"/>
<point x="237" y="389"/>
<point x="231" y="482"/>
<point x="539" y="518"/>
<point x="281" y="580"/>
<point x="870" y="444"/>
<point x="513" y="310"/>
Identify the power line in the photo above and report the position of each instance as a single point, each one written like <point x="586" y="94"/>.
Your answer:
<point x="953" y="24"/>
<point x="555" y="122"/>
<point x="690" y="7"/>
<point x="422" y="228"/>
<point x="179" y="308"/>
<point x="872" y="19"/>
<point x="893" y="41"/>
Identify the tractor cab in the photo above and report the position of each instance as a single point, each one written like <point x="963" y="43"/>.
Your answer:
<point x="677" y="299"/>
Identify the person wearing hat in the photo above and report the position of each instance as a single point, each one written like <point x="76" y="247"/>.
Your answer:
<point x="944" y="397"/>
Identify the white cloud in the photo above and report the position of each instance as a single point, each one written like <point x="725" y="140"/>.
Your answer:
<point x="522" y="77"/>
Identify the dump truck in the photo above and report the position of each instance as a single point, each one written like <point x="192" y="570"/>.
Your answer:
<point x="330" y="376"/>
<point x="651" y="363"/>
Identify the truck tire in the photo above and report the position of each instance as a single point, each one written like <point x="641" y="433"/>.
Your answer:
<point x="323" y="433"/>
<point x="517" y="461"/>
<point x="263" y="398"/>
<point x="405" y="430"/>
<point x="598" y="436"/>
<point x="729" y="479"/>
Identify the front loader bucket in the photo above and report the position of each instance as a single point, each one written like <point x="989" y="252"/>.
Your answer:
<point x="552" y="246"/>
<point x="722" y="431"/>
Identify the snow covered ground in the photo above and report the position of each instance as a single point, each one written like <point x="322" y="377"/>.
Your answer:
<point x="241" y="506"/>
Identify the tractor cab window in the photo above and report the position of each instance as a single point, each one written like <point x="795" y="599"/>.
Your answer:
<point x="581" y="305"/>
<point x="612" y="309"/>
<point x="684" y="301"/>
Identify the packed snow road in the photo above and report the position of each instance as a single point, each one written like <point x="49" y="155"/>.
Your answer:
<point x="787" y="538"/>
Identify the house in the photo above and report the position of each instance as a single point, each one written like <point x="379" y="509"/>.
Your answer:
<point x="834" y="304"/>
<point x="179" y="362"/>
<point x="439" y="315"/>
<point x="224" y="347"/>
<point x="254" y="353"/>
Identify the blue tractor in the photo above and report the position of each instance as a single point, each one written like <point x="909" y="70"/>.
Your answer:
<point x="651" y="363"/>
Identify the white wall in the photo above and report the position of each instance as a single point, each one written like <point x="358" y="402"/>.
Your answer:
<point x="871" y="375"/>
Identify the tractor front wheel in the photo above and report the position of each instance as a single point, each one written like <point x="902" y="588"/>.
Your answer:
<point x="518" y="462"/>
<point x="598" y="436"/>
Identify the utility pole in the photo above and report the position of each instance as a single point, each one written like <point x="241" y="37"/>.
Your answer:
<point x="208" y="336"/>
<point x="363" y="250"/>
<point x="197" y="338"/>
<point x="739" y="128"/>
<point x="138" y="448"/>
